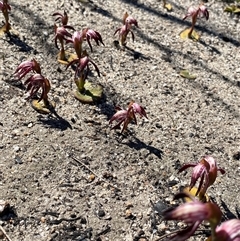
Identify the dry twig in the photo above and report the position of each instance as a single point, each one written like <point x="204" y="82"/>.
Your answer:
<point x="5" y="234"/>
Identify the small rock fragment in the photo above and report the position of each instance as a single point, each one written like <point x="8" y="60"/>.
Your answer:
<point x="91" y="177"/>
<point x="101" y="213"/>
<point x="3" y="206"/>
<point x="43" y="219"/>
<point x="128" y="205"/>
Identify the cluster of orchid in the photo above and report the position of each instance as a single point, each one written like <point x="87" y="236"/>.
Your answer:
<point x="200" y="12"/>
<point x="192" y="212"/>
<point x="34" y="83"/>
<point x="199" y="209"/>
<point x="86" y="92"/>
<point x="80" y="61"/>
<point x="5" y="8"/>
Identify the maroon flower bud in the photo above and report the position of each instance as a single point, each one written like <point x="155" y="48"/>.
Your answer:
<point x="27" y="66"/>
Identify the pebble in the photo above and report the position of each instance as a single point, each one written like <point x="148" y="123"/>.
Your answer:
<point x="128" y="205"/>
<point x="16" y="148"/>
<point x="101" y="213"/>
<point x="18" y="160"/>
<point x="2" y="205"/>
<point x="22" y="222"/>
<point x="128" y="214"/>
<point x="91" y="177"/>
<point x="43" y="219"/>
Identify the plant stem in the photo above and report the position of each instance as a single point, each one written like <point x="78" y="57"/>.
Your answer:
<point x="80" y="82"/>
<point x="194" y="20"/>
<point x="46" y="102"/>
<point x="5" y="234"/>
<point x="62" y="51"/>
<point x="7" y="24"/>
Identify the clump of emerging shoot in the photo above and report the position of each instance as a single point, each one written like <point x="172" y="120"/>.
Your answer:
<point x="127" y="116"/>
<point x="5" y="8"/>
<point x="34" y="83"/>
<point x="128" y="22"/>
<point x="61" y="35"/>
<point x="205" y="171"/>
<point x="200" y="12"/>
<point x="86" y="92"/>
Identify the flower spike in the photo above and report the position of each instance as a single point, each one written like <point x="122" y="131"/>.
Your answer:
<point x="62" y="34"/>
<point x="34" y="83"/>
<point x="200" y="12"/>
<point x="82" y="65"/>
<point x="206" y="171"/>
<point x="90" y="34"/>
<point x="123" y="31"/>
<point x="127" y="116"/>
<point x="193" y="214"/>
<point x="27" y="66"/>
<point x="227" y="231"/>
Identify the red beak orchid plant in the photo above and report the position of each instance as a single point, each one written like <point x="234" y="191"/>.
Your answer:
<point x="127" y="116"/>
<point x="206" y="170"/>
<point x="5" y="8"/>
<point x="128" y="22"/>
<point x="227" y="231"/>
<point x="194" y="13"/>
<point x="86" y="92"/>
<point x="61" y="35"/>
<point x="34" y="83"/>
<point x="193" y="214"/>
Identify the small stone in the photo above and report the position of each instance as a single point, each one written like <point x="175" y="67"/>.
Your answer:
<point x="22" y="222"/>
<point x="101" y="213"/>
<point x="18" y="160"/>
<point x="162" y="226"/>
<point x="83" y="220"/>
<point x="128" y="205"/>
<point x="160" y="206"/>
<point x="3" y="205"/>
<point x="91" y="177"/>
<point x="43" y="220"/>
<point x="16" y="148"/>
<point x="128" y="214"/>
<point x="73" y="120"/>
<point x="30" y="125"/>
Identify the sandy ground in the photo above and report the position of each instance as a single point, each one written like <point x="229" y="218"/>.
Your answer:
<point x="106" y="193"/>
